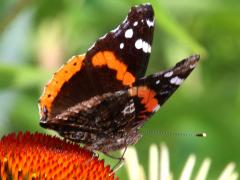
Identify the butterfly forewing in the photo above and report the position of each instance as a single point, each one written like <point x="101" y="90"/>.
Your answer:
<point x="131" y="41"/>
<point x="114" y="61"/>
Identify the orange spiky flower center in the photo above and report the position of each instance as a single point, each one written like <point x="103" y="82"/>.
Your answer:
<point x="39" y="156"/>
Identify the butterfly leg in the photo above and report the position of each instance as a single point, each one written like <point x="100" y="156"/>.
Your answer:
<point x="120" y="162"/>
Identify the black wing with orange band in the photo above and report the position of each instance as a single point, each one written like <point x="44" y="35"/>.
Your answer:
<point x="123" y="110"/>
<point x="151" y="92"/>
<point x="114" y="62"/>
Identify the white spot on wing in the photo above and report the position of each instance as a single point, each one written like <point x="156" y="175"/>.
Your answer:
<point x="150" y="23"/>
<point x="145" y="46"/>
<point x="168" y="74"/>
<point x="176" y="80"/>
<point x="140" y="44"/>
<point x="121" y="46"/>
<point x="135" y="23"/>
<point x="149" y="48"/>
<point x="129" y="109"/>
<point x="158" y="81"/>
<point x="129" y="33"/>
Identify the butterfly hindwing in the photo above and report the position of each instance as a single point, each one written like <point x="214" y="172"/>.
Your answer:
<point x="151" y="92"/>
<point x="100" y="119"/>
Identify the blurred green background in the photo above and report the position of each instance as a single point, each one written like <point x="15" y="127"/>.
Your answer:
<point x="36" y="37"/>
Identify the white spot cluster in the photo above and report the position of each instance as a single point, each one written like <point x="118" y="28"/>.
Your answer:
<point x="150" y="23"/>
<point x="129" y="109"/>
<point x="176" y="80"/>
<point x="141" y="44"/>
<point x="129" y="33"/>
<point x="168" y="74"/>
<point x="121" y="45"/>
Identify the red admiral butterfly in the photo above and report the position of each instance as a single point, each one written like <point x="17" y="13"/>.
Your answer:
<point x="102" y="99"/>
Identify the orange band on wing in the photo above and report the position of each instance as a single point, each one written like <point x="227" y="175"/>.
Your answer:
<point x="52" y="89"/>
<point x="107" y="58"/>
<point x="147" y="97"/>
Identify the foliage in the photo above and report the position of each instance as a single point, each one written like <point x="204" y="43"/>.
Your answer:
<point x="36" y="37"/>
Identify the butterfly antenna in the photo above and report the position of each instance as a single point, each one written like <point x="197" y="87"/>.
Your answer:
<point x="189" y="134"/>
<point x="186" y="134"/>
<point x="181" y="134"/>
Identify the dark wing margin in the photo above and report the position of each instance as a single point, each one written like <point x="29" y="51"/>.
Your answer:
<point x="151" y="92"/>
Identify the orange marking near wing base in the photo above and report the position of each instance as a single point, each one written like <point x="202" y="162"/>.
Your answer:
<point x="128" y="79"/>
<point x="52" y="89"/>
<point x="107" y="58"/>
<point x="147" y="97"/>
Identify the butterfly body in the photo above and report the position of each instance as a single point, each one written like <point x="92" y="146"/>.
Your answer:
<point x="102" y="98"/>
